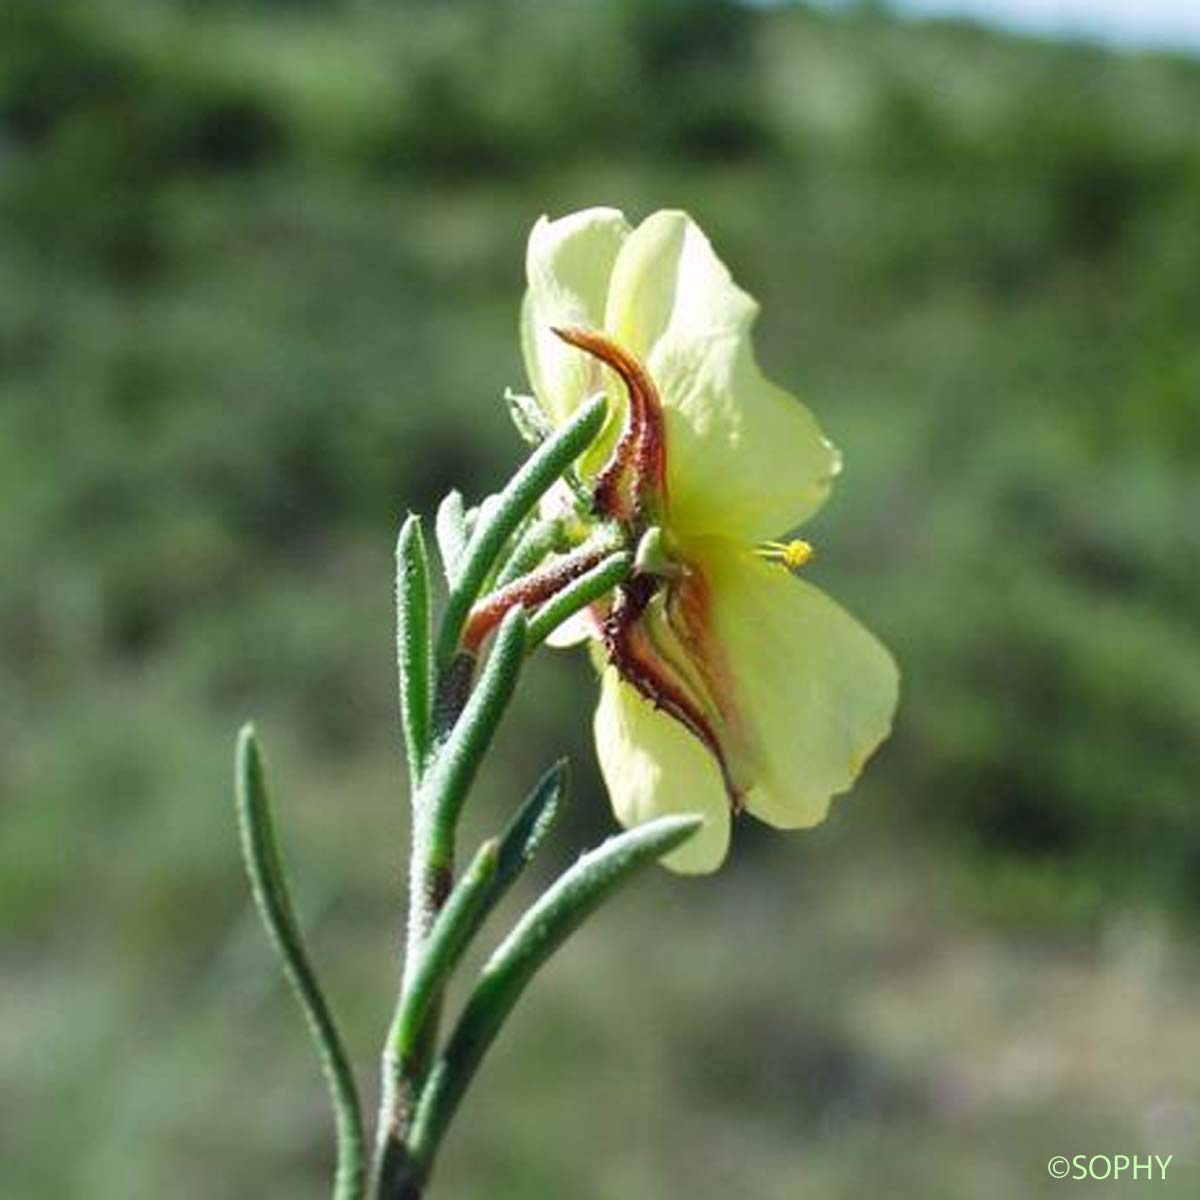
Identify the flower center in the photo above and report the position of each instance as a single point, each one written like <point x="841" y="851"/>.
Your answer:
<point x="659" y="636"/>
<point x="658" y="631"/>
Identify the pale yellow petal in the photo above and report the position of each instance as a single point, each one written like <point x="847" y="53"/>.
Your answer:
<point x="568" y="265"/>
<point x="744" y="458"/>
<point x="653" y="766"/>
<point x="817" y="690"/>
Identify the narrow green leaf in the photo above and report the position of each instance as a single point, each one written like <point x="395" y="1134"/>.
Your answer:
<point x="414" y="649"/>
<point x="541" y="931"/>
<point x="268" y="882"/>
<point x="577" y="595"/>
<point x="529" y="827"/>
<point x="454" y="765"/>
<point x="450" y="527"/>
<point x="515" y="502"/>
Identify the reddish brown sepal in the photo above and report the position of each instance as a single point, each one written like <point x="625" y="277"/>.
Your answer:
<point x="632" y="485"/>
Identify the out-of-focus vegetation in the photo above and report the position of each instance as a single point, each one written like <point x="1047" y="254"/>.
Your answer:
<point x="259" y="270"/>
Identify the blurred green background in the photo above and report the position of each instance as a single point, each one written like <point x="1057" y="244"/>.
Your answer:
<point x="259" y="273"/>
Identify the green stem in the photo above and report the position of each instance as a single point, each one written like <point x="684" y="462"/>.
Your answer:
<point x="413" y="659"/>
<point x="410" y="1040"/>
<point x="452" y="929"/>
<point x="453" y="769"/>
<point x="435" y="811"/>
<point x="268" y="881"/>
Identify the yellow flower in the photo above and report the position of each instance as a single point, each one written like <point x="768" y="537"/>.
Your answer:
<point x="728" y="683"/>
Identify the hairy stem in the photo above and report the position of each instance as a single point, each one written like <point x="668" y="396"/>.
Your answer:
<point x="465" y="721"/>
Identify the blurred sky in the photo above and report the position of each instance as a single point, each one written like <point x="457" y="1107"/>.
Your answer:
<point x="1171" y="24"/>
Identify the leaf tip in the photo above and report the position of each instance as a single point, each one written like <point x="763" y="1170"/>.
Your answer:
<point x="410" y="530"/>
<point x="670" y="832"/>
<point x="247" y="742"/>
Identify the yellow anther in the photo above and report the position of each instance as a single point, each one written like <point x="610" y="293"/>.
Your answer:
<point x="792" y="555"/>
